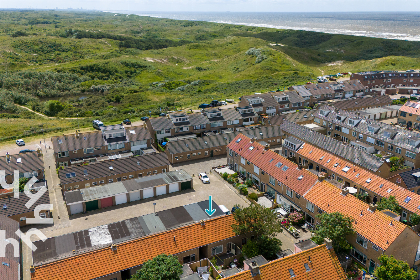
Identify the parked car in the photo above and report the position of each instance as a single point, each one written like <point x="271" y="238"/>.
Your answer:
<point x="144" y="118"/>
<point x="20" y="142"/>
<point x="416" y="95"/>
<point x="26" y="151"/>
<point x="203" y="106"/>
<point x="215" y="103"/>
<point x="97" y="124"/>
<point x="230" y="100"/>
<point x="204" y="178"/>
<point x="162" y="115"/>
<point x="126" y="121"/>
<point x="223" y="102"/>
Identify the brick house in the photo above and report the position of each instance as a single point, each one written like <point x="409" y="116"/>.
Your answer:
<point x="29" y="164"/>
<point x="388" y="79"/>
<point x="409" y="115"/>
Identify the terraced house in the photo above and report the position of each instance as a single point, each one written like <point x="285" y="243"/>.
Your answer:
<point x="28" y="164"/>
<point x="105" y="172"/>
<point x="261" y="103"/>
<point x="112" y="140"/>
<point x="385" y="138"/>
<point x="364" y="102"/>
<point x="299" y="189"/>
<point x="388" y="79"/>
<point x="356" y="152"/>
<point x="409" y="115"/>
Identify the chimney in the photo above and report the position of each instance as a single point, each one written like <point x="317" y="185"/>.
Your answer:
<point x="372" y="207"/>
<point x="77" y="134"/>
<point x="328" y="243"/>
<point x="322" y="176"/>
<point x="32" y="269"/>
<point x="114" y="247"/>
<point x="253" y="139"/>
<point x="7" y="157"/>
<point x="254" y="268"/>
<point x="344" y="191"/>
<point x="267" y="147"/>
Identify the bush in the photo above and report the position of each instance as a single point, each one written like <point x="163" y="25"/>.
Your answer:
<point x="225" y="176"/>
<point x="249" y="183"/>
<point x="244" y="190"/>
<point x="253" y="196"/>
<point x="296" y="218"/>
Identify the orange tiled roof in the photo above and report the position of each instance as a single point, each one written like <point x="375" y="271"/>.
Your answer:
<point x="130" y="254"/>
<point x="411" y="107"/>
<point x="266" y="160"/>
<point x="374" y="226"/>
<point x="358" y="175"/>
<point x="323" y="265"/>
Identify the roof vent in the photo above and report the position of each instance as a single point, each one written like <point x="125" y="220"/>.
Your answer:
<point x="19" y="160"/>
<point x="111" y="168"/>
<point x="300" y="177"/>
<point x="114" y="247"/>
<point x="4" y="206"/>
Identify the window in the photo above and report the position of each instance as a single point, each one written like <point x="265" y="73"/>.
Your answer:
<point x="380" y="143"/>
<point x="216" y="250"/>
<point x="88" y="150"/>
<point x="361" y="136"/>
<point x="289" y="192"/>
<point x="76" y="187"/>
<point x="101" y="182"/>
<point x="410" y="155"/>
<point x="149" y="172"/>
<point x="359" y="256"/>
<point x="110" y="180"/>
<point x="154" y="171"/>
<point x="130" y="176"/>
<point x="354" y="133"/>
<point x="199" y="153"/>
<point x="75" y="152"/>
<point x="124" y="177"/>
<point x="94" y="183"/>
<point x="376" y="248"/>
<point x="361" y="241"/>
<point x="87" y="185"/>
<point x="403" y="114"/>
<point x="243" y="241"/>
<point x="272" y="181"/>
<point x="398" y="150"/>
<point x="206" y="153"/>
<point x="256" y="170"/>
<point x="188" y="156"/>
<point x="309" y="206"/>
<point x="390" y="147"/>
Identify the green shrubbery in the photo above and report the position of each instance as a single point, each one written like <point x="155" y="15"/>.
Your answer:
<point x="253" y="196"/>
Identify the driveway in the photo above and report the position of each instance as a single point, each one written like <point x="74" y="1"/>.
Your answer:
<point x="13" y="149"/>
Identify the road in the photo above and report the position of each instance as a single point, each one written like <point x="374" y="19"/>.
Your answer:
<point x="42" y="115"/>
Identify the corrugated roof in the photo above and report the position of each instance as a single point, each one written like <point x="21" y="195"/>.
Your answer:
<point x="108" y="190"/>
<point x="97" y="263"/>
<point x="317" y="263"/>
<point x="368" y="180"/>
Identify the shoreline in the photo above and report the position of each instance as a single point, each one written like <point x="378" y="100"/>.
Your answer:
<point x="334" y="31"/>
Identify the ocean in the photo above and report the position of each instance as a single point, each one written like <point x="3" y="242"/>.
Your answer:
<point x="398" y="25"/>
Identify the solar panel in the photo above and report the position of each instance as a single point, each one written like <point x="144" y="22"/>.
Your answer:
<point x="239" y="140"/>
<point x="271" y="160"/>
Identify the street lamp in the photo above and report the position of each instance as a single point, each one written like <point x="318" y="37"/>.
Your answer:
<point x="154" y="208"/>
<point x="78" y="127"/>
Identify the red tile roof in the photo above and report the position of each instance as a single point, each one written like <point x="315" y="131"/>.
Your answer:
<point x="411" y="107"/>
<point x="323" y="265"/>
<point x="358" y="175"/>
<point x="266" y="160"/>
<point x="374" y="226"/>
<point x="133" y="253"/>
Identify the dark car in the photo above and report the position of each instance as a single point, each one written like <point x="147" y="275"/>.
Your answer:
<point x="203" y="106"/>
<point x="26" y="151"/>
<point x="126" y="121"/>
<point x="144" y="118"/>
<point x="162" y="115"/>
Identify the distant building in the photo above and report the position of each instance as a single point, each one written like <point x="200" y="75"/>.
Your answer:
<point x="28" y="164"/>
<point x="388" y="79"/>
<point x="409" y="115"/>
<point x="367" y="102"/>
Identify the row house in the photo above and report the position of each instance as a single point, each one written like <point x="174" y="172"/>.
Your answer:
<point x="299" y="189"/>
<point x="117" y="251"/>
<point x="11" y="264"/>
<point x="365" y="102"/>
<point x="386" y="138"/>
<point x="105" y="172"/>
<point x="28" y="164"/>
<point x="409" y="115"/>
<point x="357" y="152"/>
<point x="388" y="79"/>
<point x="261" y="103"/>
<point x="210" y="120"/>
<point x="304" y="116"/>
<point x="112" y="140"/>
<point x="368" y="184"/>
<point x="293" y="101"/>
<point x="409" y="180"/>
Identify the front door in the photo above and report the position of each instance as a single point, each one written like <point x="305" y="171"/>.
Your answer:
<point x="371" y="266"/>
<point x="211" y="153"/>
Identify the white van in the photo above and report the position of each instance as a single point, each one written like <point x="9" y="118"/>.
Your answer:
<point x="97" y="124"/>
<point x="224" y="209"/>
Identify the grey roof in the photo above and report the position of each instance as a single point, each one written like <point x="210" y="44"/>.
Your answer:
<point x="295" y="141"/>
<point x="409" y="178"/>
<point x="198" y="119"/>
<point x="230" y="271"/>
<point x="73" y="142"/>
<point x="16" y="206"/>
<point x="9" y="269"/>
<point x="231" y="115"/>
<point x="112" y="189"/>
<point x="333" y="146"/>
<point x="260" y="260"/>
<point x="294" y="97"/>
<point x="306" y="244"/>
<point x="92" y="239"/>
<point x="352" y="85"/>
<point x="191" y="277"/>
<point x="320" y="89"/>
<point x="400" y="140"/>
<point x="28" y="162"/>
<point x="161" y="123"/>
<point x="220" y="140"/>
<point x="119" y="166"/>
<point x="140" y="133"/>
<point x="296" y="117"/>
<point x="359" y="102"/>
<point x="112" y="127"/>
<point x="302" y="91"/>
<point x="267" y="99"/>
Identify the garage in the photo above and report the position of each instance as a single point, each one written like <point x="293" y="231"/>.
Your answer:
<point x="186" y="185"/>
<point x="134" y="196"/>
<point x="174" y="187"/>
<point x="76" y="208"/>
<point x="92" y="205"/>
<point x="148" y="193"/>
<point x="120" y="199"/>
<point x="160" y="190"/>
<point x="106" y="202"/>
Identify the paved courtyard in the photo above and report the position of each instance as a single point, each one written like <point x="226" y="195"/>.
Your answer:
<point x="221" y="193"/>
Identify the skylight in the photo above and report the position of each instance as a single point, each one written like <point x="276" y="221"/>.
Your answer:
<point x="239" y="140"/>
<point x="345" y="169"/>
<point x="328" y="160"/>
<point x="357" y="175"/>
<point x="84" y="138"/>
<point x="271" y="160"/>
<point x="251" y="148"/>
<point x="381" y="185"/>
<point x="407" y="200"/>
<point x="389" y="190"/>
<point x="307" y="267"/>
<point x="369" y="180"/>
<point x="300" y="177"/>
<point x="335" y="165"/>
<point x="285" y="168"/>
<point x="19" y="160"/>
<point x="73" y="174"/>
<point x="279" y="164"/>
<point x="60" y="142"/>
<point x="292" y="273"/>
<point x="321" y="158"/>
<point x="310" y="152"/>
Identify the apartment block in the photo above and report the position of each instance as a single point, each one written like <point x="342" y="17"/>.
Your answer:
<point x="112" y="140"/>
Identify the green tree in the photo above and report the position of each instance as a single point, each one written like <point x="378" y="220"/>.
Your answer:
<point x="53" y="107"/>
<point x="162" y="267"/>
<point x="334" y="226"/>
<point x="415" y="219"/>
<point x="256" y="219"/>
<point x="389" y="203"/>
<point x="392" y="269"/>
<point x="263" y="245"/>
<point x="22" y="183"/>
